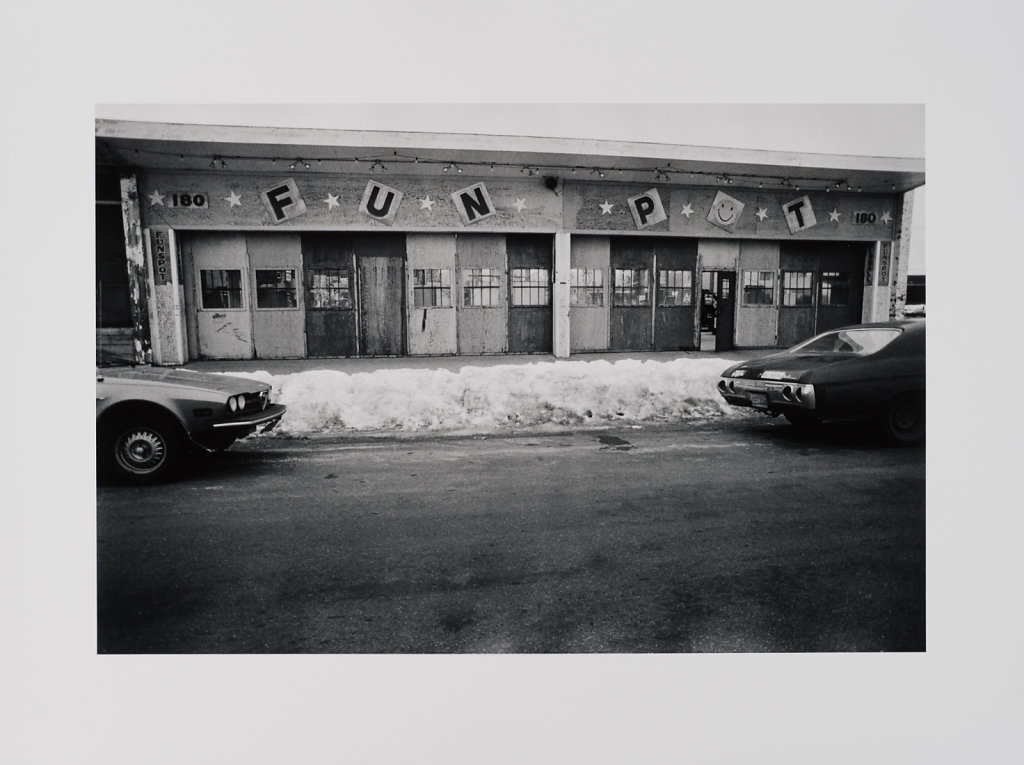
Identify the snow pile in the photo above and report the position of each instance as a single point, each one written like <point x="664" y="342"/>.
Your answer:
<point x="481" y="399"/>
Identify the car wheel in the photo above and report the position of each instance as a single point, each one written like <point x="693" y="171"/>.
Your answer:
<point x="144" y="450"/>
<point x="903" y="419"/>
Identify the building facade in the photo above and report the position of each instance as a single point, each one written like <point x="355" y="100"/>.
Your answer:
<point x="240" y="243"/>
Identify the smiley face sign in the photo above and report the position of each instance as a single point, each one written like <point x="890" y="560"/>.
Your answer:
<point x="725" y="211"/>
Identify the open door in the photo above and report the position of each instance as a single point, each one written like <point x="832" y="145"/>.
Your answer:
<point x="725" y="311"/>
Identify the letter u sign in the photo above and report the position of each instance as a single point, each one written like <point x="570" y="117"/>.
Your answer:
<point x="380" y="202"/>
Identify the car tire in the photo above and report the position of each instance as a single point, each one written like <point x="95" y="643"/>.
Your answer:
<point x="143" y="449"/>
<point x="902" y="421"/>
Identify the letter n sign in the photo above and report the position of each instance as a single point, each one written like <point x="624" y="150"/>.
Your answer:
<point x="799" y="214"/>
<point x="647" y="208"/>
<point x="473" y="203"/>
<point x="283" y="201"/>
<point x="380" y="202"/>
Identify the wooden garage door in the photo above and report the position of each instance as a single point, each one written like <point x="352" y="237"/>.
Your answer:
<point x="529" y="274"/>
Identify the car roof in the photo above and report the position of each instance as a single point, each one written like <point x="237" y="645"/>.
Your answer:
<point x="910" y="325"/>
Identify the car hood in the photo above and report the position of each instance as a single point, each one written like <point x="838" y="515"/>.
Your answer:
<point x="785" y="366"/>
<point x="183" y="378"/>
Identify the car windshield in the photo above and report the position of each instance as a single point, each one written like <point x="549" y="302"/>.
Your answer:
<point x="858" y="342"/>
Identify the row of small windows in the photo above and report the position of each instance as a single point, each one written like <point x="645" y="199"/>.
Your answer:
<point x="797" y="288"/>
<point x="331" y="288"/>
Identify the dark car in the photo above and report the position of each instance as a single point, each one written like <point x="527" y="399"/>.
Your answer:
<point x="148" y="418"/>
<point x="864" y="372"/>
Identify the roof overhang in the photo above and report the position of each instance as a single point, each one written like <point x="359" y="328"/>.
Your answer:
<point x="167" y="146"/>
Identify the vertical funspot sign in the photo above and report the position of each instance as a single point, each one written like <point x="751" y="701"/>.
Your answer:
<point x="725" y="211"/>
<point x="647" y="209"/>
<point x="380" y="202"/>
<point x="283" y="201"/>
<point x="473" y="203"/>
<point x="161" y="257"/>
<point x="799" y="214"/>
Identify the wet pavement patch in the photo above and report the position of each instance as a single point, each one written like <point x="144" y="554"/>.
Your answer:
<point x="615" y="442"/>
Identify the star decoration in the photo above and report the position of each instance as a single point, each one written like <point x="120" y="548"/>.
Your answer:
<point x="234" y="200"/>
<point x="331" y="201"/>
<point x="762" y="213"/>
<point x="156" y="198"/>
<point x="687" y="210"/>
<point x="606" y="208"/>
<point x="427" y="204"/>
<point x="520" y="204"/>
<point x="833" y="217"/>
<point x="886" y="217"/>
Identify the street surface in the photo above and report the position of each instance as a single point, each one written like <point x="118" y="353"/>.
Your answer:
<point x="723" y="536"/>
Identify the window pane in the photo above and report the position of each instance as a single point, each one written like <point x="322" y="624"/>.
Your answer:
<point x="586" y="286"/>
<point x="835" y="288"/>
<point x="758" y="287"/>
<point x="530" y="286"/>
<point x="276" y="289"/>
<point x="632" y="286"/>
<point x="480" y="287"/>
<point x="675" y="288"/>
<point x="432" y="288"/>
<point x="330" y="289"/>
<point x="796" y="288"/>
<point x="222" y="288"/>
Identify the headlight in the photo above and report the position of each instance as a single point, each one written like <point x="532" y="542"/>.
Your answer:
<point x="236" y="403"/>
<point x="241" y="402"/>
<point x="232" y="404"/>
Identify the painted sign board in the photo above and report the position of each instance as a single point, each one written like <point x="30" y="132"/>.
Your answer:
<point x="725" y="211"/>
<point x="161" y="257"/>
<point x="473" y="203"/>
<point x="799" y="215"/>
<point x="883" y="265"/>
<point x="380" y="202"/>
<point x="194" y="200"/>
<point x="283" y="201"/>
<point x="647" y="209"/>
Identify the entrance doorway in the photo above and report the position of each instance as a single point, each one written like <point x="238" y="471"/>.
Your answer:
<point x="717" y="310"/>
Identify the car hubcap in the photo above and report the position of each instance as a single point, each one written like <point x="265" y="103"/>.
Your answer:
<point x="141" y="451"/>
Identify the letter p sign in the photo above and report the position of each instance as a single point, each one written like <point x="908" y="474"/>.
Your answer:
<point x="647" y="209"/>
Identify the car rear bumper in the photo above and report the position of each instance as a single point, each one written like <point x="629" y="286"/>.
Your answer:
<point x="768" y="395"/>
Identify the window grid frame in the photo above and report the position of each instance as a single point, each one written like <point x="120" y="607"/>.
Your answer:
<point x="761" y="283"/>
<point x="587" y="283"/>
<point x="798" y="289"/>
<point x="435" y="283"/>
<point x="534" y="291"/>
<point x="292" y="291"/>
<point x="832" y="283"/>
<point x="675" y="282"/>
<point x="206" y="289"/>
<point x="331" y="272"/>
<point x="638" y="289"/>
<point x="472" y="282"/>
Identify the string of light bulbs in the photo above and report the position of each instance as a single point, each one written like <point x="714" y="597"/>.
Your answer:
<point x="665" y="174"/>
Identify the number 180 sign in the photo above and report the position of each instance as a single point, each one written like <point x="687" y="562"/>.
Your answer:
<point x="188" y="200"/>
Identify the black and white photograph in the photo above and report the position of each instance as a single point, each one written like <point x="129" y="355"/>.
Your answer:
<point x="520" y="384"/>
<point x="417" y="392"/>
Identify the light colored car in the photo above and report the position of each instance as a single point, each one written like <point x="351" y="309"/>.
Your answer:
<point x="148" y="418"/>
<point x="863" y="372"/>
